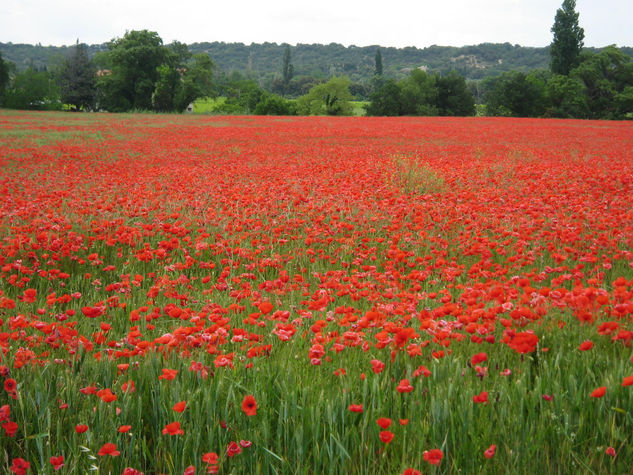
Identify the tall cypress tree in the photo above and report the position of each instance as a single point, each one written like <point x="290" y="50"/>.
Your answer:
<point x="378" y="69"/>
<point x="287" y="70"/>
<point x="77" y="78"/>
<point x="568" y="39"/>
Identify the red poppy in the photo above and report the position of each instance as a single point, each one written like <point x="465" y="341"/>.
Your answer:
<point x="404" y="386"/>
<point x="233" y="449"/>
<point x="57" y="462"/>
<point x="490" y="451"/>
<point x="249" y="405"/>
<point x="211" y="458"/>
<point x="180" y="406"/>
<point x="245" y="443"/>
<point x="383" y="422"/>
<point x="5" y="413"/>
<point x="386" y="436"/>
<point x="610" y="451"/>
<point x="173" y="429"/>
<point x="108" y="449"/>
<point x="106" y="395"/>
<point x="586" y="345"/>
<point x="411" y="471"/>
<point x="10" y="384"/>
<point x="480" y="398"/>
<point x="355" y="408"/>
<point x="599" y="392"/>
<point x="433" y="456"/>
<point x="168" y="374"/>
<point x="81" y="428"/>
<point x="124" y="429"/>
<point x="627" y="381"/>
<point x="478" y="358"/>
<point x="19" y="466"/>
<point x="10" y="428"/>
<point x="377" y="366"/>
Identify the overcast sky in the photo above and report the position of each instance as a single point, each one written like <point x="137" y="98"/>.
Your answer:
<point x="389" y="23"/>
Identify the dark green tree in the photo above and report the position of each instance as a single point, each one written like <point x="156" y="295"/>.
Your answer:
<point x="378" y="63"/>
<point x="287" y="69"/>
<point x="197" y="81"/>
<point x="568" y="39"/>
<point x="132" y="73"/>
<point x="77" y="80"/>
<point x="515" y="94"/>
<point x="386" y="101"/>
<point x="567" y="97"/>
<point x="453" y="96"/>
<point x="419" y="94"/>
<point x="32" y="89"/>
<point x="4" y="77"/>
<point x="608" y="79"/>
<point x="272" y="104"/>
<point x="167" y="86"/>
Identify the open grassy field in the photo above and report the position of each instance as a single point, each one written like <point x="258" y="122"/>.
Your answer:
<point x="194" y="294"/>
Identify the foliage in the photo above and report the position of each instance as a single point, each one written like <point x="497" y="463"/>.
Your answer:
<point x="4" y="77"/>
<point x="32" y="89"/>
<point x="76" y="79"/>
<point x="423" y="94"/>
<point x="134" y="62"/>
<point x="378" y="63"/>
<point x="516" y="94"/>
<point x="608" y="78"/>
<point x="567" y="97"/>
<point x="330" y="98"/>
<point x="272" y="104"/>
<point x="568" y="39"/>
<point x="453" y="96"/>
<point x="287" y="69"/>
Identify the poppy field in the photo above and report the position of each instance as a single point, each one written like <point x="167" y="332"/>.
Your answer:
<point x="268" y="295"/>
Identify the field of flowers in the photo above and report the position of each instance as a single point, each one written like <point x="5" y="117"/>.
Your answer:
<point x="249" y="295"/>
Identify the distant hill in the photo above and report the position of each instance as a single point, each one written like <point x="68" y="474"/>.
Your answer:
<point x="263" y="61"/>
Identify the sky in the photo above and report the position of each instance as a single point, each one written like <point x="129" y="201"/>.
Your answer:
<point x="396" y="23"/>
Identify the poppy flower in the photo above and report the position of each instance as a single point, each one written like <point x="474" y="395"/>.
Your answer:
<point x="108" y="449"/>
<point x="403" y="422"/>
<point x="386" y="436"/>
<point x="249" y="405"/>
<point x="19" y="466"/>
<point x="490" y="451"/>
<point x="10" y="428"/>
<point x="586" y="345"/>
<point x="131" y="471"/>
<point x="627" y="381"/>
<point x="5" y="413"/>
<point x="411" y="471"/>
<point x="57" y="462"/>
<point x="245" y="443"/>
<point x="355" y="408"/>
<point x="106" y="395"/>
<point x="599" y="392"/>
<point x="265" y="307"/>
<point x="173" y="429"/>
<point x="81" y="428"/>
<point x="610" y="451"/>
<point x="168" y="374"/>
<point x="377" y="366"/>
<point x="211" y="458"/>
<point x="404" y="386"/>
<point x="233" y="449"/>
<point x="125" y="428"/>
<point x="383" y="422"/>
<point x="478" y="358"/>
<point x="433" y="456"/>
<point x="480" y="398"/>
<point x="9" y="385"/>
<point x="180" y="406"/>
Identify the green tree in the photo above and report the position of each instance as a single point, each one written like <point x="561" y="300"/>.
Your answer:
<point x="32" y="89"/>
<point x="515" y="94"/>
<point x="76" y="79"/>
<point x="568" y="39"/>
<point x="4" y="77"/>
<point x="197" y="81"/>
<point x="272" y="104"/>
<point x="453" y="96"/>
<point x="607" y="77"/>
<point x="567" y="97"/>
<point x="330" y="98"/>
<point x="133" y="70"/>
<point x="167" y="86"/>
<point x="386" y="101"/>
<point x="287" y="69"/>
<point x="378" y="63"/>
<point x="419" y="94"/>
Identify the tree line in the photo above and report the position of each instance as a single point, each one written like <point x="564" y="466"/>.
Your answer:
<point x="139" y="72"/>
